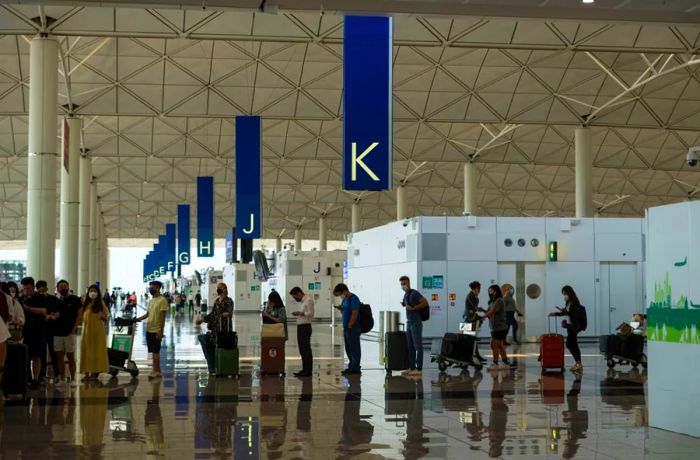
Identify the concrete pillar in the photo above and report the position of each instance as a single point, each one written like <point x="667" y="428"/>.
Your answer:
<point x="278" y="245"/>
<point x="41" y="161"/>
<point x="355" y="217"/>
<point x="297" y="239"/>
<point x="401" y="205"/>
<point x="584" y="172"/>
<point x="92" y="242"/>
<point x="322" y="234"/>
<point x="470" y="180"/>
<point x="98" y="250"/>
<point x="70" y="200"/>
<point x="84" y="225"/>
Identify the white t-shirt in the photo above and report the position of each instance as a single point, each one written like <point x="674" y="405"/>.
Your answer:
<point x="307" y="308"/>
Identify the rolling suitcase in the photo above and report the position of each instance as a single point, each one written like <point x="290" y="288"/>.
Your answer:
<point x="272" y="355"/>
<point x="552" y="351"/>
<point x="16" y="374"/>
<point x="396" y="351"/>
<point x="227" y="362"/>
<point x="450" y="346"/>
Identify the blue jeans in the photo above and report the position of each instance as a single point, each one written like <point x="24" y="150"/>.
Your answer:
<point x="414" y="334"/>
<point x="352" y="347"/>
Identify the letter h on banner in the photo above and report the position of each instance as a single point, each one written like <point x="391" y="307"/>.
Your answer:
<point x="367" y="118"/>
<point x="248" y="177"/>
<point x="205" y="216"/>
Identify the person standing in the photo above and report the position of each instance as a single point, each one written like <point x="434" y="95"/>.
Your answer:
<point x="413" y="302"/>
<point x="275" y="312"/>
<point x="304" y="317"/>
<point x="157" y="309"/>
<point x="511" y="311"/>
<point x="350" y="309"/>
<point x="35" y="311"/>
<point x="5" y="302"/>
<point x="577" y="315"/>
<point x="496" y="314"/>
<point x="471" y="306"/>
<point x="68" y="316"/>
<point x="93" y="346"/>
<point x="16" y="311"/>
<point x="198" y="301"/>
<point x="217" y="320"/>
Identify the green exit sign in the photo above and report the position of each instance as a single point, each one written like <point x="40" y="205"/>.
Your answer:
<point x="553" y="251"/>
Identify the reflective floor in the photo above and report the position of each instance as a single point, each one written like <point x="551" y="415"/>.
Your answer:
<point x="457" y="415"/>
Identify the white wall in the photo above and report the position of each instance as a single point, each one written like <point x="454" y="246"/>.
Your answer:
<point x="674" y="370"/>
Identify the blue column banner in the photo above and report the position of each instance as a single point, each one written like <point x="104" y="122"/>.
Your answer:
<point x="367" y="118"/>
<point x="248" y="177"/>
<point x="205" y="216"/>
<point x="171" y="241"/>
<point x="155" y="262"/>
<point x="230" y="246"/>
<point x="162" y="255"/>
<point x="183" y="234"/>
<point x="145" y="262"/>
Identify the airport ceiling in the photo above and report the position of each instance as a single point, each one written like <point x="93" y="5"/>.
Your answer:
<point x="158" y="89"/>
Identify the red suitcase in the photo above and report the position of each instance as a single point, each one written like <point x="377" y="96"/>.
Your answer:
<point x="552" y="388"/>
<point x="552" y="351"/>
<point x="272" y="359"/>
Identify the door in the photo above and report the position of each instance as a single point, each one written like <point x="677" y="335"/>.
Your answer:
<point x="528" y="281"/>
<point x="619" y="286"/>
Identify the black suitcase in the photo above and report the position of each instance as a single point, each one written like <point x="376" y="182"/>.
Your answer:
<point x="632" y="347"/>
<point x="399" y="394"/>
<point x="16" y="374"/>
<point x="611" y="345"/>
<point x="459" y="347"/>
<point x="395" y="351"/>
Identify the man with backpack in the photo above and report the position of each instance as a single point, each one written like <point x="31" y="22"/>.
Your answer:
<point x="417" y="311"/>
<point x="350" y="308"/>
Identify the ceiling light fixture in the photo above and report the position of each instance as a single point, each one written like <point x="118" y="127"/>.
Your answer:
<point x="588" y="1"/>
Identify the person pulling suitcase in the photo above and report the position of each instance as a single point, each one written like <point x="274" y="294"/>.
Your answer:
<point x="221" y="313"/>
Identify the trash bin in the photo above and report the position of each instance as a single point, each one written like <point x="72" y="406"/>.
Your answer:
<point x="388" y="322"/>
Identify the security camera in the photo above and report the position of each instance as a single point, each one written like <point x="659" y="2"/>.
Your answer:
<point x="693" y="157"/>
<point x="405" y="223"/>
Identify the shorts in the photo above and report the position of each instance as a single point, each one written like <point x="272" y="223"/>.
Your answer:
<point x="153" y="342"/>
<point x="499" y="335"/>
<point x="36" y="344"/>
<point x="65" y="344"/>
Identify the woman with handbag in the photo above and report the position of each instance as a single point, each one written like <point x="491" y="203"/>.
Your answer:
<point x="274" y="312"/>
<point x="218" y="320"/>
<point x="574" y="323"/>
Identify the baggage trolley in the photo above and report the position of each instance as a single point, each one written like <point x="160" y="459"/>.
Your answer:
<point x="620" y="349"/>
<point x="456" y="357"/>
<point x="122" y="347"/>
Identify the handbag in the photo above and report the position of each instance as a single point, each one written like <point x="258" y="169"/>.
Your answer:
<point x="272" y="331"/>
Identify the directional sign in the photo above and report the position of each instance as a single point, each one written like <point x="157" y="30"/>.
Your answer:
<point x="248" y="177"/>
<point x="183" y="234"/>
<point x="205" y="216"/>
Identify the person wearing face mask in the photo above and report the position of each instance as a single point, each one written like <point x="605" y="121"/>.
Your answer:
<point x="35" y="303"/>
<point x="304" y="316"/>
<point x="471" y="306"/>
<point x="16" y="311"/>
<point x="93" y="346"/>
<point x="511" y="311"/>
<point x="69" y="315"/>
<point x="350" y="307"/>
<point x="157" y="309"/>
<point x="496" y="314"/>
<point x="577" y="315"/>
<point x="218" y="319"/>
<point x="413" y="301"/>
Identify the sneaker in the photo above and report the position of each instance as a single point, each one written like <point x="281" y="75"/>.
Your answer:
<point x="416" y="373"/>
<point x="577" y="367"/>
<point x="60" y="383"/>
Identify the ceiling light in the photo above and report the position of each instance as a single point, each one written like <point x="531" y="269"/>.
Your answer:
<point x="588" y="1"/>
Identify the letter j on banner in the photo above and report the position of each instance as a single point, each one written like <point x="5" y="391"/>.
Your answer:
<point x="248" y="177"/>
<point x="367" y="120"/>
<point x="205" y="216"/>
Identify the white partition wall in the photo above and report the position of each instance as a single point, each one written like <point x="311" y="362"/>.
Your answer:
<point x="442" y="255"/>
<point x="673" y="296"/>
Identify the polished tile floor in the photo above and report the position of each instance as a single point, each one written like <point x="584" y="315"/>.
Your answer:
<point x="457" y="415"/>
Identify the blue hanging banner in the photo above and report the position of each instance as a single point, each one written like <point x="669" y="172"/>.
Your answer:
<point x="183" y="234"/>
<point x="205" y="216"/>
<point x="171" y="242"/>
<point x="162" y="255"/>
<point x="248" y="177"/>
<point x="367" y="118"/>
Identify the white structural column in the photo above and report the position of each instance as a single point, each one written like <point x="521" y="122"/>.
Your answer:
<point x="355" y="217"/>
<point x="470" y="179"/>
<point x="584" y="172"/>
<point x="99" y="251"/>
<point x="70" y="200"/>
<point x="84" y="224"/>
<point x="297" y="239"/>
<point x="41" y="162"/>
<point x="278" y="245"/>
<point x="92" y="242"/>
<point x="322" y="234"/>
<point x="401" y="205"/>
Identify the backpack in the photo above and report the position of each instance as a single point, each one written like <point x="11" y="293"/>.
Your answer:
<point x="581" y="318"/>
<point x="424" y="313"/>
<point x="366" y="319"/>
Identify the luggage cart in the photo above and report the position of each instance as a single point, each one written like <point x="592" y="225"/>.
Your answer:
<point x="122" y="347"/>
<point x="620" y="349"/>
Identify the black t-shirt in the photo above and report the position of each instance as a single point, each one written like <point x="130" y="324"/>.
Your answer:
<point x="68" y="308"/>
<point x="34" y="323"/>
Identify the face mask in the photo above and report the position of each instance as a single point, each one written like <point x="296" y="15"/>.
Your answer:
<point x="566" y="298"/>
<point x="512" y="291"/>
<point x="152" y="291"/>
<point x="63" y="292"/>
<point x="93" y="295"/>
<point x="219" y="291"/>
<point x="404" y="287"/>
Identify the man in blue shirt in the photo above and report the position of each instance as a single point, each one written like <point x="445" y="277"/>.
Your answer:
<point x="413" y="301"/>
<point x="351" y="327"/>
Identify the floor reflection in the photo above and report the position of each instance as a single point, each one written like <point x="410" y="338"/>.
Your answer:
<point x="188" y="414"/>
